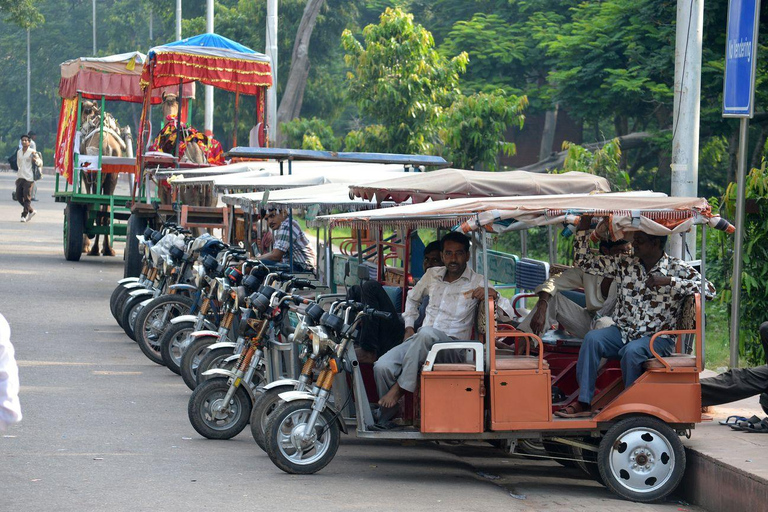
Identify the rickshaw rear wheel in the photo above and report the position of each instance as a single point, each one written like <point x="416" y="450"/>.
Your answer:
<point x="74" y="226"/>
<point x="641" y="459"/>
<point x="285" y="446"/>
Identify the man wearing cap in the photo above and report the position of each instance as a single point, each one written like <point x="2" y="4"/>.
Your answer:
<point x="290" y="242"/>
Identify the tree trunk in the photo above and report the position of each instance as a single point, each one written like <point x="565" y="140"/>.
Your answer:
<point x="548" y="133"/>
<point x="757" y="154"/>
<point x="733" y="149"/>
<point x="293" y="95"/>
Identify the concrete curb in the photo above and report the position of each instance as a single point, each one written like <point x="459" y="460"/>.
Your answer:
<point x="716" y="486"/>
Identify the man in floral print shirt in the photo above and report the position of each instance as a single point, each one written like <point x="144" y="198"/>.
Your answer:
<point x="651" y="286"/>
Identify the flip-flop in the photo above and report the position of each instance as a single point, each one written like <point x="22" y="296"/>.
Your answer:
<point x="742" y="425"/>
<point x="760" y="428"/>
<point x="562" y="413"/>
<point x="735" y="418"/>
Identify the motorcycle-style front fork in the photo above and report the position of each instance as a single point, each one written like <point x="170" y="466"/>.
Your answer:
<point x="324" y="383"/>
<point x="246" y="367"/>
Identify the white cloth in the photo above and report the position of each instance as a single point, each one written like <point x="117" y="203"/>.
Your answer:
<point x="10" y="409"/>
<point x="24" y="161"/>
<point x="575" y="278"/>
<point x="451" y="307"/>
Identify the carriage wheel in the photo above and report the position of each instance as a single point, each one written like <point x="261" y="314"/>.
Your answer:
<point x="74" y="225"/>
<point x="132" y="257"/>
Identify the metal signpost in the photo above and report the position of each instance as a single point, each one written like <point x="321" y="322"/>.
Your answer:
<point x="738" y="101"/>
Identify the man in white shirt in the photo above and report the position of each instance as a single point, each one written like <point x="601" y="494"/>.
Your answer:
<point x="555" y="308"/>
<point x="454" y="292"/>
<point x="10" y="410"/>
<point x="25" y="177"/>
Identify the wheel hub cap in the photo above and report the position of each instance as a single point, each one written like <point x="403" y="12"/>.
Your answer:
<point x="642" y="460"/>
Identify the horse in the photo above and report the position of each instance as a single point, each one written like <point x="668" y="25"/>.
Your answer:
<point x="116" y="141"/>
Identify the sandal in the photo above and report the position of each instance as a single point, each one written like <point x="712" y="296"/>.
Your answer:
<point x="760" y="428"/>
<point x="571" y="412"/>
<point x="736" y="419"/>
<point x="743" y="425"/>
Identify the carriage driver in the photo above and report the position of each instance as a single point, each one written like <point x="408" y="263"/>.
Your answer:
<point x="651" y="287"/>
<point x="454" y="292"/>
<point x="281" y="226"/>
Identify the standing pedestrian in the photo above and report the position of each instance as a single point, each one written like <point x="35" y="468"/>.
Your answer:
<point x="25" y="177"/>
<point x="10" y="410"/>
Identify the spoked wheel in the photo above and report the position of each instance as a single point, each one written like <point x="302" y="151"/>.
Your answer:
<point x="191" y="358"/>
<point x="287" y="446"/>
<point x="214" y="418"/>
<point x="641" y="459"/>
<point x="154" y="318"/>
<point x="264" y="405"/>
<point x="173" y="342"/>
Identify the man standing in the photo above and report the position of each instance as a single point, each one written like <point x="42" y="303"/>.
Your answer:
<point x="10" y="410"/>
<point x="25" y="177"/>
<point x="290" y="240"/>
<point x="454" y="292"/>
<point x="554" y="307"/>
<point x="651" y="286"/>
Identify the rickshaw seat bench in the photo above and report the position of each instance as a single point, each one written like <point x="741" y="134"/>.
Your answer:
<point x="454" y="367"/>
<point x="519" y="363"/>
<point x="674" y="360"/>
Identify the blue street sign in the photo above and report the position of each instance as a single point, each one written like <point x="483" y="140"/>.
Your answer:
<point x="740" y="55"/>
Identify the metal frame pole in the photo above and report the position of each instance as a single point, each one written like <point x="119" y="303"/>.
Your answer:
<point x="29" y="86"/>
<point x="703" y="292"/>
<point x="739" y="242"/>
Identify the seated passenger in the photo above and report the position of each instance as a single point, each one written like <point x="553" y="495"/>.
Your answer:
<point x="454" y="291"/>
<point x="303" y="255"/>
<point x="555" y="308"/>
<point x="651" y="287"/>
<point x="377" y="336"/>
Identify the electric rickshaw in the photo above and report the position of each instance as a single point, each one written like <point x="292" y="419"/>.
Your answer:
<point x="632" y="443"/>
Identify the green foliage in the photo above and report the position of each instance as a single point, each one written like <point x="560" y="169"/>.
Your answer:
<point x="474" y="128"/>
<point x="754" y="289"/>
<point x="603" y="162"/>
<point x="303" y="133"/>
<point x="21" y="12"/>
<point x="398" y="80"/>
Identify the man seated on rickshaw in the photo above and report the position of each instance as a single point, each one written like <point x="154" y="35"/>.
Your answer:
<point x="651" y="287"/>
<point x="377" y="335"/>
<point x="281" y="225"/>
<point x="454" y="292"/>
<point x="554" y="307"/>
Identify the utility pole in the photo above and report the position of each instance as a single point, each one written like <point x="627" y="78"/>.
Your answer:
<point x="209" y="88"/>
<point x="94" y="28"/>
<point x="29" y="87"/>
<point x="271" y="47"/>
<point x="151" y="37"/>
<point x="685" y="115"/>
<point x="178" y="20"/>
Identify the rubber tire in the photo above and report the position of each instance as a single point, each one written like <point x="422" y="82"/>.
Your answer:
<point x="273" y="450"/>
<point x="120" y="297"/>
<point x="554" y="449"/>
<point x="152" y="350"/>
<point x="166" y="344"/>
<point x="196" y="409"/>
<point x="265" y="403"/>
<point x="607" y="444"/>
<point x="132" y="256"/>
<point x="75" y="216"/>
<point x="588" y="463"/>
<point x="532" y="447"/>
<point x="195" y="349"/>
<point x="213" y="359"/>
<point x="130" y="313"/>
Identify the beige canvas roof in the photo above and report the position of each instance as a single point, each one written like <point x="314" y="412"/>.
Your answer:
<point x="457" y="183"/>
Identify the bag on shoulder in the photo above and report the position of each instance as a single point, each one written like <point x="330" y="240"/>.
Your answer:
<point x="37" y="174"/>
<point x="12" y="160"/>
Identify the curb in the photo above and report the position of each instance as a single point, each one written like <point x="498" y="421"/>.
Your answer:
<point x="715" y="486"/>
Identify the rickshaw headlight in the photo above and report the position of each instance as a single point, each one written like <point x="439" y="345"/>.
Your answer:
<point x="319" y="339"/>
<point x="221" y="291"/>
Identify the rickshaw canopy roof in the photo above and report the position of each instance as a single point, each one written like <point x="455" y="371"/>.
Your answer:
<point x="651" y="212"/>
<point x="283" y="154"/>
<point x="210" y="59"/>
<point x="457" y="183"/>
<point x="116" y="77"/>
<point x="326" y="196"/>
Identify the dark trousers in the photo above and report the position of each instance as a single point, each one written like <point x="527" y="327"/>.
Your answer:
<point x="735" y="384"/>
<point x="377" y="334"/>
<point x="24" y="195"/>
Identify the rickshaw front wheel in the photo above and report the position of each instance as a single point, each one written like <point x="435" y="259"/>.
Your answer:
<point x="289" y="448"/>
<point x="641" y="459"/>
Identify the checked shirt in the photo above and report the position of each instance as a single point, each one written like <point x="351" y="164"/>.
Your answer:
<point x="303" y="255"/>
<point x="640" y="310"/>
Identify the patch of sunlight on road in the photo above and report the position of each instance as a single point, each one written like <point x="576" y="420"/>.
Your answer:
<point x="51" y="363"/>
<point x="107" y="372"/>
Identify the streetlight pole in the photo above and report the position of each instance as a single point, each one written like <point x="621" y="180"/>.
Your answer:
<point x="94" y="28"/>
<point x="178" y="20"/>
<point x="29" y="87"/>
<point x="271" y="47"/>
<point x="209" y="88"/>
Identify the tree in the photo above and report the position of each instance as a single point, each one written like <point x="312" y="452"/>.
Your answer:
<point x="474" y="128"/>
<point x="400" y="82"/>
<point x="312" y="133"/>
<point x="21" y="12"/>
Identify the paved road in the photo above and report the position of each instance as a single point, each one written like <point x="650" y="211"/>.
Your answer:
<point x="106" y="429"/>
